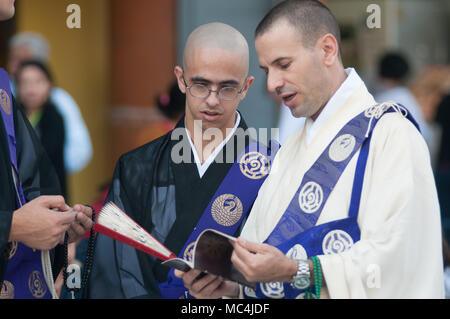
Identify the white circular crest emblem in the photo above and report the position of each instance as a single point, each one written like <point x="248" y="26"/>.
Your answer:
<point x="303" y="295"/>
<point x="310" y="197"/>
<point x="336" y="241"/>
<point x="297" y="252"/>
<point x="254" y="165"/>
<point x="273" y="290"/>
<point x="342" y="147"/>
<point x="249" y="292"/>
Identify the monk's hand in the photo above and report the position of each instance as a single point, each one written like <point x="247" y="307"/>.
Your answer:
<point x="262" y="262"/>
<point x="83" y="223"/>
<point x="41" y="223"/>
<point x="207" y="286"/>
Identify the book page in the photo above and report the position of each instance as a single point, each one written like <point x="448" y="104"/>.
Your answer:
<point x="179" y="264"/>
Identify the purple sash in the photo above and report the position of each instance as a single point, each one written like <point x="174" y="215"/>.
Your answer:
<point x="296" y="234"/>
<point x="229" y="205"/>
<point x="24" y="276"/>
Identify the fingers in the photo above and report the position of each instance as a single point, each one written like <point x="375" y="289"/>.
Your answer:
<point x="190" y="276"/>
<point x="238" y="262"/>
<point x="243" y="252"/>
<point x="84" y="221"/>
<point x="85" y="210"/>
<point x="205" y="286"/>
<point x="52" y="202"/>
<point x="251" y="259"/>
<point x="199" y="283"/>
<point x="208" y="289"/>
<point x="252" y="247"/>
<point x="76" y="230"/>
<point x="65" y="218"/>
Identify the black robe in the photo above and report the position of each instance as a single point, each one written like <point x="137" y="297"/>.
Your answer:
<point x="37" y="177"/>
<point x="51" y="132"/>
<point x="164" y="197"/>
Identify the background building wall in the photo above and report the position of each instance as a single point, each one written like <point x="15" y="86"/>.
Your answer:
<point x="143" y="52"/>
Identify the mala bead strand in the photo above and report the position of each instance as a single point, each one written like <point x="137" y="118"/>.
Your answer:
<point x="89" y="253"/>
<point x="88" y="260"/>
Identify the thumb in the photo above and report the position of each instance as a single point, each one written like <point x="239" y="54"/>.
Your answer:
<point x="250" y="246"/>
<point x="52" y="202"/>
<point x="66" y="217"/>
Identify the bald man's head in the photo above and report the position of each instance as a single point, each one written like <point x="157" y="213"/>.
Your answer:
<point x="217" y="36"/>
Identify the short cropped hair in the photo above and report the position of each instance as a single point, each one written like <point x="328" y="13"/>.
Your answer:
<point x="311" y="18"/>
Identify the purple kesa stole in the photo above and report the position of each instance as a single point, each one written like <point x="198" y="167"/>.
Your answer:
<point x="24" y="277"/>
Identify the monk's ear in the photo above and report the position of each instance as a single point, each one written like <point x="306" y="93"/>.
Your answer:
<point x="248" y="83"/>
<point x="178" y="71"/>
<point x="329" y="49"/>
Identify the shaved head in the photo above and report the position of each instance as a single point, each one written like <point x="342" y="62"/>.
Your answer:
<point x="215" y="59"/>
<point x="217" y="36"/>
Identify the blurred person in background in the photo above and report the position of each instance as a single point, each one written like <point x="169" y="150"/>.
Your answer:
<point x="432" y="90"/>
<point x="77" y="146"/>
<point x="171" y="105"/>
<point x="34" y="84"/>
<point x="393" y="70"/>
<point x="170" y="109"/>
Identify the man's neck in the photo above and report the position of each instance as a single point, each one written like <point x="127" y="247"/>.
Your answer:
<point x="335" y="85"/>
<point x="206" y="141"/>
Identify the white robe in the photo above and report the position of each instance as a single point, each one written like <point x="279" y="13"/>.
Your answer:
<point x="399" y="254"/>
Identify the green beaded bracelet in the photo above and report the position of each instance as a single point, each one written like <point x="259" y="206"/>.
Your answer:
<point x="317" y="275"/>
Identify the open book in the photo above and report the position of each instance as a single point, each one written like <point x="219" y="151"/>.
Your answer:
<point x="211" y="252"/>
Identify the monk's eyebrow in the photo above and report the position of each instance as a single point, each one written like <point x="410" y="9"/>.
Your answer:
<point x="200" y="79"/>
<point x="278" y="60"/>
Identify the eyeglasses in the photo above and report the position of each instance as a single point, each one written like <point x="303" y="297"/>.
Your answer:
<point x="201" y="91"/>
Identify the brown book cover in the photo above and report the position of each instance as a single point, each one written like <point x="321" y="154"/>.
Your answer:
<point x="212" y="254"/>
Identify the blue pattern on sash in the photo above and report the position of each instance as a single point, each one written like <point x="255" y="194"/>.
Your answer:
<point x="296" y="232"/>
<point x="24" y="277"/>
<point x="229" y="205"/>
